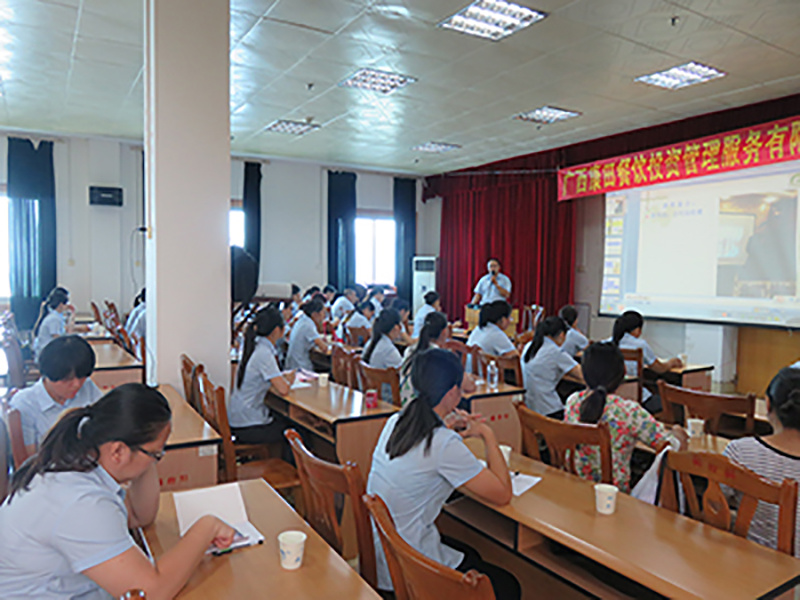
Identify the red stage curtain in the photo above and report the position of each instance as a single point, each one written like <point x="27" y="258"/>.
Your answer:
<point x="522" y="226"/>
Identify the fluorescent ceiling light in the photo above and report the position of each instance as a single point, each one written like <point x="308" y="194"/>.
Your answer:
<point x="682" y="76"/>
<point x="374" y="80"/>
<point x="436" y="147"/>
<point x="547" y="114"/>
<point x="492" y="19"/>
<point x="291" y="127"/>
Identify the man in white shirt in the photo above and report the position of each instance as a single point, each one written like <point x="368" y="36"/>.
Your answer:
<point x="492" y="286"/>
<point x="344" y="305"/>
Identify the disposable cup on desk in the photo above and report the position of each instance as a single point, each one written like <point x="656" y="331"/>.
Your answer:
<point x="322" y="379"/>
<point x="292" y="544"/>
<point x="684" y="358"/>
<point x="605" y="498"/>
<point x="696" y="427"/>
<point x="506" y="450"/>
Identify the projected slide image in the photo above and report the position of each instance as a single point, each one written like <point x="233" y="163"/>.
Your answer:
<point x="613" y="266"/>
<point x="615" y="226"/>
<point x="613" y="246"/>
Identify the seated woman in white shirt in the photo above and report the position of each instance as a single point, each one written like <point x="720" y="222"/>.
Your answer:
<point x="575" y="341"/>
<point x="65" y="524"/>
<point x="775" y="456"/>
<point x="433" y="334"/>
<point x="627" y="335"/>
<point x="432" y="304"/>
<point x="403" y="308"/>
<point x="305" y="335"/>
<point x="381" y="352"/>
<point x="376" y="296"/>
<point x="544" y="365"/>
<point x="490" y="335"/>
<point x="250" y="419"/>
<point x="54" y="320"/>
<point x="138" y="307"/>
<point x="418" y="462"/>
<point x="360" y="318"/>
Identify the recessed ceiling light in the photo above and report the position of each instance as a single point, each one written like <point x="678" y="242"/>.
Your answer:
<point x="437" y="147"/>
<point x="375" y="80"/>
<point x="492" y="19"/>
<point x="291" y="127"/>
<point x="547" y="114"/>
<point x="682" y="76"/>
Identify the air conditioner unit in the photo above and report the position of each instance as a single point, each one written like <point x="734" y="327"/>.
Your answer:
<point x="425" y="268"/>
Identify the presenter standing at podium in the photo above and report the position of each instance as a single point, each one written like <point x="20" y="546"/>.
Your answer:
<point x="492" y="286"/>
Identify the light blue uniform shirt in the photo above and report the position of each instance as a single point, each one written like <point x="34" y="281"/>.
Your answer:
<point x="341" y="308"/>
<point x="64" y="524"/>
<point x="53" y="325"/>
<point x="631" y="342"/>
<point x="541" y="375"/>
<point x="414" y="487"/>
<point x="357" y="320"/>
<point x="301" y="341"/>
<point x="378" y="308"/>
<point x="139" y="326"/>
<point x="247" y="407"/>
<point x="489" y="291"/>
<point x="419" y="318"/>
<point x="39" y="412"/>
<point x="133" y="316"/>
<point x="574" y="342"/>
<point x="385" y="354"/>
<point x="491" y="339"/>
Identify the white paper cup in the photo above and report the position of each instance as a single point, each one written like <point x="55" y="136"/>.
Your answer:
<point x="322" y="378"/>
<point x="605" y="498"/>
<point x="506" y="450"/>
<point x="695" y="426"/>
<point x="292" y="544"/>
<point x="684" y="358"/>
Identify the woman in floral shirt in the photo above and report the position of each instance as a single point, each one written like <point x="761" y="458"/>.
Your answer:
<point x="628" y="423"/>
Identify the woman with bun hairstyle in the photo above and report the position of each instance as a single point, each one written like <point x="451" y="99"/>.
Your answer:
<point x="775" y="456"/>
<point x="628" y="423"/>
<point x="54" y="319"/>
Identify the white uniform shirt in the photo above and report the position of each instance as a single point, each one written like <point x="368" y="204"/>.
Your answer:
<point x="491" y="339"/>
<point x="301" y="341"/>
<point x="64" y="524"/>
<point x="419" y="318"/>
<point x="39" y="412"/>
<point x="541" y="375"/>
<point x="574" y="342"/>
<point x="133" y="316"/>
<point x="631" y="342"/>
<point x="139" y="326"/>
<point x="246" y="407"/>
<point x="489" y="291"/>
<point x="378" y="308"/>
<point x="414" y="487"/>
<point x="385" y="354"/>
<point x="341" y="307"/>
<point x="357" y="320"/>
<point x="53" y="325"/>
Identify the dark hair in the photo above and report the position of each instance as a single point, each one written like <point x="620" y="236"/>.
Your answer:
<point x="65" y="357"/>
<point x="625" y="323"/>
<point x="374" y="291"/>
<point x="365" y="305"/>
<point x="313" y="306"/>
<point x="435" y="372"/>
<point x="492" y="312"/>
<point x="784" y="396"/>
<point x="140" y="297"/>
<point x="433" y="326"/>
<point x="493" y="259"/>
<point x="295" y="289"/>
<point x="431" y="297"/>
<point x="399" y="304"/>
<point x="311" y="291"/>
<point x="132" y="413"/>
<point x="549" y="327"/>
<point x="569" y="314"/>
<point x="360" y="290"/>
<point x="329" y="289"/>
<point x="265" y="322"/>
<point x="56" y="297"/>
<point x="603" y="370"/>
<point x="386" y="321"/>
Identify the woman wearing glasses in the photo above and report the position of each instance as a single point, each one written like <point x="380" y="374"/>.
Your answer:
<point x="65" y="525"/>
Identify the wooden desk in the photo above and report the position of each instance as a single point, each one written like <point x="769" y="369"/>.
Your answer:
<point x="255" y="572"/>
<point x="499" y="410"/>
<point x="83" y="319"/>
<point x="192" y="447"/>
<point x="703" y="443"/>
<point x="660" y="550"/>
<point x="696" y="377"/>
<point x="115" y="366"/>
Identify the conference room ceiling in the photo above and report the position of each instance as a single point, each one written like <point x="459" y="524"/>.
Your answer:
<point x="75" y="67"/>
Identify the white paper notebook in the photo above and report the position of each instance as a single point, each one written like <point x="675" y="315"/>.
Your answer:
<point x="520" y="483"/>
<point x="222" y="501"/>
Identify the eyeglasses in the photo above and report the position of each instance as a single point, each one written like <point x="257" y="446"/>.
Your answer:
<point x="155" y="455"/>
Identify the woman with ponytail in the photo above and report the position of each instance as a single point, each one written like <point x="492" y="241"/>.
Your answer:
<point x="381" y="352"/>
<point x="250" y="419"/>
<point x="544" y="365"/>
<point x="419" y="460"/>
<point x="433" y="334"/>
<point x="54" y="319"/>
<point x="65" y="525"/>
<point x="360" y="318"/>
<point x="305" y="335"/>
<point x="628" y="423"/>
<point x="775" y="456"/>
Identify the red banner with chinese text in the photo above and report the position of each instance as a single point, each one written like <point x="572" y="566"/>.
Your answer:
<point x="764" y="144"/>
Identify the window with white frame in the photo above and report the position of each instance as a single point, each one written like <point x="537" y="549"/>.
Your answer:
<point x="375" y="250"/>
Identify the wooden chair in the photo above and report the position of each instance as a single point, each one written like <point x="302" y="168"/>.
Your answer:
<point x="189" y="376"/>
<point x="522" y="340"/>
<point x="504" y="363"/>
<point x="19" y="374"/>
<point x="112" y="308"/>
<point x="563" y="439"/>
<point x="321" y="482"/>
<point x="718" y="469"/>
<point x="342" y="366"/>
<point x="376" y="378"/>
<point x="98" y="317"/>
<point x="531" y="316"/>
<point x="414" y="575"/>
<point x="459" y="348"/>
<point x="706" y="406"/>
<point x="358" y="336"/>
<point x="631" y="355"/>
<point x="19" y="451"/>
<point x="278" y="473"/>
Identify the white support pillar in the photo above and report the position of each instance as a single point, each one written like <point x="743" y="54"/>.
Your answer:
<point x="713" y="345"/>
<point x="187" y="153"/>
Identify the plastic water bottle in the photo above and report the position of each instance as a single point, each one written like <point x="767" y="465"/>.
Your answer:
<point x="492" y="375"/>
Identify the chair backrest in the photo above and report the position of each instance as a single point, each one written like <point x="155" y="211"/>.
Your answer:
<point x="341" y="367"/>
<point x="18" y="449"/>
<point x="503" y="364"/>
<point x="187" y="373"/>
<point x="563" y="439"/>
<point x="15" y="360"/>
<point x="635" y="355"/>
<point x="321" y="481"/>
<point x="522" y="339"/>
<point x="112" y="308"/>
<point x="96" y="313"/>
<point x="358" y="336"/>
<point x="414" y="575"/>
<point x="459" y="348"/>
<point x="212" y="408"/>
<point x="531" y="316"/>
<point x="718" y="469"/>
<point x="706" y="406"/>
<point x="375" y="378"/>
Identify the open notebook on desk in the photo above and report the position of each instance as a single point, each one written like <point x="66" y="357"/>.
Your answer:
<point x="222" y="501"/>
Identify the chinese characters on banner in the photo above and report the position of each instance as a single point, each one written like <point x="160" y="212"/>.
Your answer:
<point x="773" y="142"/>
